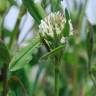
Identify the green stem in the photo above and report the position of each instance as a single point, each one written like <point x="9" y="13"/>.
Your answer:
<point x="16" y="31"/>
<point x="1" y="26"/>
<point x="57" y="77"/>
<point x="5" y="83"/>
<point x="74" y="80"/>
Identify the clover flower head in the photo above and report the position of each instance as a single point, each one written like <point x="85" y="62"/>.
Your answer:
<point x="54" y="24"/>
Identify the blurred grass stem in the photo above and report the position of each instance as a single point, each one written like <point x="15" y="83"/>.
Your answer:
<point x="57" y="64"/>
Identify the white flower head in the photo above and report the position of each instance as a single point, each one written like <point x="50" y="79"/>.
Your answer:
<point x="54" y="23"/>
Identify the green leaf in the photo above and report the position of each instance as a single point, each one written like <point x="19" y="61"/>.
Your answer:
<point x="67" y="14"/>
<point x="90" y="44"/>
<point x="24" y="56"/>
<point x="52" y="52"/>
<point x="19" y="80"/>
<point x="3" y="6"/>
<point x="4" y="54"/>
<point x="66" y="29"/>
<point x="12" y="2"/>
<point x="44" y="3"/>
<point x="55" y="5"/>
<point x="35" y="10"/>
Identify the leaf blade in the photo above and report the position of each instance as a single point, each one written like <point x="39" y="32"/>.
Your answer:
<point x="23" y="57"/>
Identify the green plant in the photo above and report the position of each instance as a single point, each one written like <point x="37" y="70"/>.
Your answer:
<point x="62" y="51"/>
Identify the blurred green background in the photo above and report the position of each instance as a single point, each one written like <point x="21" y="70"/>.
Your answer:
<point x="19" y="21"/>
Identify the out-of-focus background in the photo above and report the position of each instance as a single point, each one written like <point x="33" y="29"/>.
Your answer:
<point x="19" y="24"/>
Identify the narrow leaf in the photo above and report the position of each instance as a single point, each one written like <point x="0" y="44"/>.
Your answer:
<point x="66" y="29"/>
<point x="90" y="46"/>
<point x="24" y="56"/>
<point x="67" y="14"/>
<point x="35" y="10"/>
<point x="52" y="52"/>
<point x="55" y="5"/>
